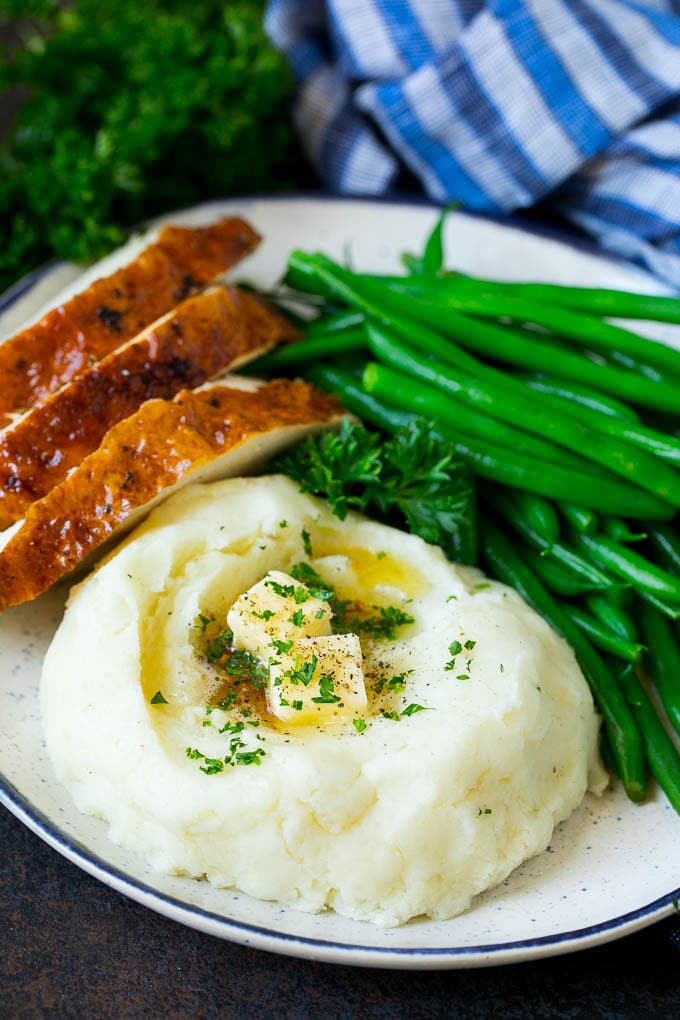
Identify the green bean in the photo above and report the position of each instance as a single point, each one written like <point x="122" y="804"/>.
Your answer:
<point x="621" y="360"/>
<point x="600" y="301"/>
<point x="466" y="295"/>
<point x="602" y="637"/>
<point x="395" y="388"/>
<point x="623" y="733"/>
<point x="613" y="616"/>
<point x="507" y="463"/>
<point x="355" y="398"/>
<point x="663" y="758"/>
<point x="539" y="513"/>
<point x="661" y="444"/>
<point x="311" y="349"/>
<point x="556" y="577"/>
<point x="629" y="565"/>
<point x="518" y="347"/>
<point x="499" y="402"/>
<point x="672" y="612"/>
<point x="503" y="504"/>
<point x="619" y="530"/>
<point x="579" y="517"/>
<point x="666" y="542"/>
<point x="582" y="396"/>
<point x="663" y="662"/>
<point x="338" y="322"/>
<point x="621" y="597"/>
<point x="607" y="754"/>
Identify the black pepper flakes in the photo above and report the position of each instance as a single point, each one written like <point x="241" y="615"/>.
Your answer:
<point x="110" y="317"/>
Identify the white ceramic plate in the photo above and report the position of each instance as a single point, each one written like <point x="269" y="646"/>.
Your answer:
<point x="611" y="868"/>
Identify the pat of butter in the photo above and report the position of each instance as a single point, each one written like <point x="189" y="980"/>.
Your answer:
<point x="277" y="608"/>
<point x="321" y="678"/>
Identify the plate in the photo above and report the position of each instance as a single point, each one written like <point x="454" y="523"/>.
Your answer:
<point x="611" y="868"/>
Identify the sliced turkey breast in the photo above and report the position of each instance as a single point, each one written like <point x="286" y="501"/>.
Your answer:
<point x="221" y="430"/>
<point x="203" y="337"/>
<point x="44" y="356"/>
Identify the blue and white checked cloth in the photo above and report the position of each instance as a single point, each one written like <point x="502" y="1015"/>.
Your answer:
<point x="499" y="104"/>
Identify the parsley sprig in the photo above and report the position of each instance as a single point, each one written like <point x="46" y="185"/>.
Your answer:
<point x="119" y="99"/>
<point x="409" y="478"/>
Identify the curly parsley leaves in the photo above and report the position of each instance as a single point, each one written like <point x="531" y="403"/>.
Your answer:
<point x="411" y="478"/>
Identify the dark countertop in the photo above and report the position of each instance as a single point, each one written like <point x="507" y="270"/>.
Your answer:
<point x="71" y="947"/>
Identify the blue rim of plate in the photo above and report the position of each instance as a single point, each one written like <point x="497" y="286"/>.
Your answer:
<point x="319" y="949"/>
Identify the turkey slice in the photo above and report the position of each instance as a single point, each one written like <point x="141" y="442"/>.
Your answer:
<point x="221" y="430"/>
<point x="44" y="356"/>
<point x="202" y="338"/>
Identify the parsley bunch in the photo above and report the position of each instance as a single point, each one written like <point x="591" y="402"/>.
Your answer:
<point x="133" y="109"/>
<point x="410" y="478"/>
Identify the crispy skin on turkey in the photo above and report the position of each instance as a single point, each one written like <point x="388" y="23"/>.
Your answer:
<point x="41" y="358"/>
<point x="205" y="336"/>
<point x="224" y="429"/>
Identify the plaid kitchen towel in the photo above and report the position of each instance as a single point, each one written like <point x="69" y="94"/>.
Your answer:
<point x="499" y="105"/>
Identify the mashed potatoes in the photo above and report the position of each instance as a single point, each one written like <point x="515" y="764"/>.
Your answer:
<point x="477" y="734"/>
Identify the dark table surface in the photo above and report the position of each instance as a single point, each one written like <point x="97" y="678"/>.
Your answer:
<point x="71" y="947"/>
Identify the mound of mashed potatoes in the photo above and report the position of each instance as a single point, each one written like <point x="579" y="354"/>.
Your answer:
<point x="469" y="734"/>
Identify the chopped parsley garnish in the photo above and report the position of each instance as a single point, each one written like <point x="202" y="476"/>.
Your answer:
<point x="159" y="699"/>
<point x="307" y="575"/>
<point x="265" y="615"/>
<point x="412" y="709"/>
<point x="482" y="585"/>
<point x="412" y="472"/>
<point x="392" y="715"/>
<point x="232" y="727"/>
<point x="485" y="811"/>
<point x="359" y="725"/>
<point x="297" y="618"/>
<point x="236" y="756"/>
<point x="244" y="666"/>
<point x="382" y="625"/>
<point x="300" y="595"/>
<point x="455" y="648"/>
<point x="303" y="674"/>
<point x="463" y="676"/>
<point x="250" y="757"/>
<point x="283" y="524"/>
<point x="469" y="645"/>
<point x="326" y="695"/>
<point x="394" y="684"/>
<point x="226" y="703"/>
<point x="284" y="590"/>
<point x="282" y="647"/>
<point x="202" y="622"/>
<point x="381" y="555"/>
<point x="219" y="646"/>
<point x="306" y="542"/>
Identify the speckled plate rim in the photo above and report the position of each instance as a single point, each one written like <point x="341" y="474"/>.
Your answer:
<point x="324" y="950"/>
<point x="258" y="937"/>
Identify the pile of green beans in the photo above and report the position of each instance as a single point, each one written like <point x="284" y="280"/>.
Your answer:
<point x="555" y="409"/>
